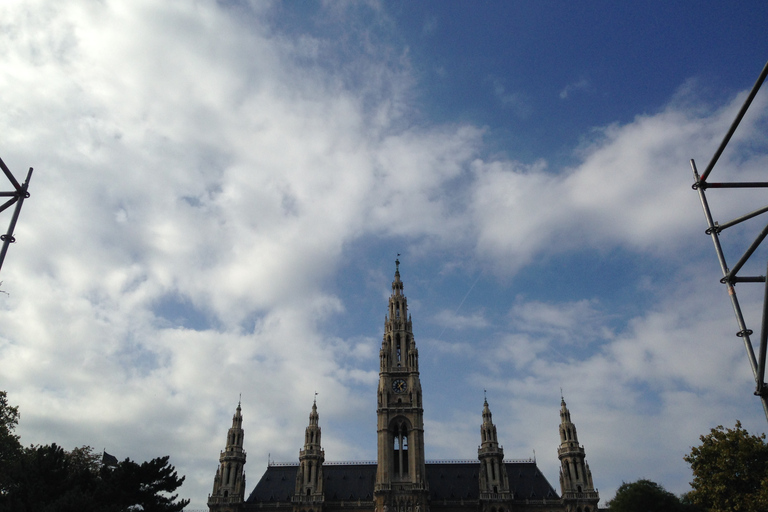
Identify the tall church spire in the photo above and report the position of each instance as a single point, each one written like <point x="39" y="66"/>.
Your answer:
<point x="229" y="482"/>
<point x="308" y="495"/>
<point x="575" y="476"/>
<point x="401" y="471"/>
<point x="494" y="483"/>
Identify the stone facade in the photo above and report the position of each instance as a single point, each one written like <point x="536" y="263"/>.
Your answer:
<point x="401" y="479"/>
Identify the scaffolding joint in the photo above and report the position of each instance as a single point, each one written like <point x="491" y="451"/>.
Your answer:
<point x="716" y="229"/>
<point x="699" y="184"/>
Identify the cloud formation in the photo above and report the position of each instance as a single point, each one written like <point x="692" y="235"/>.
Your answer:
<point x="200" y="175"/>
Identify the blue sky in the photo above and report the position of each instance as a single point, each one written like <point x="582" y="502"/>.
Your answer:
<point x="221" y="190"/>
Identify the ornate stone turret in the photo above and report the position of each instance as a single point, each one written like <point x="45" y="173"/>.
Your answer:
<point x="578" y="492"/>
<point x="494" y="484"/>
<point x="229" y="482"/>
<point x="401" y="482"/>
<point x="308" y="495"/>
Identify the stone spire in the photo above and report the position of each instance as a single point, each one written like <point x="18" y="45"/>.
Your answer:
<point x="494" y="484"/>
<point x="229" y="482"/>
<point x="401" y="481"/>
<point x="578" y="491"/>
<point x="308" y="494"/>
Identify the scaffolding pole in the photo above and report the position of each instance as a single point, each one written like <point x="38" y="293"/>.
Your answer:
<point x="17" y="196"/>
<point x="730" y="275"/>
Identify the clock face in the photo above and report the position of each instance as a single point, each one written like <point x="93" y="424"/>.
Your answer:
<point x="399" y="386"/>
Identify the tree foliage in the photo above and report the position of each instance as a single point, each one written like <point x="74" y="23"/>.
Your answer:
<point x="643" y="496"/>
<point x="10" y="447"/>
<point x="730" y="471"/>
<point x="147" y="485"/>
<point x="48" y="478"/>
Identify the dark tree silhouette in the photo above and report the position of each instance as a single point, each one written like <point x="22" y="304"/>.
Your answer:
<point x="47" y="478"/>
<point x="643" y="496"/>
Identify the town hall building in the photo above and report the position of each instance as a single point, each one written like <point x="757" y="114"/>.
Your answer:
<point x="402" y="480"/>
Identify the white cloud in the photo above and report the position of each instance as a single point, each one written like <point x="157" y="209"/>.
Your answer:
<point x="631" y="190"/>
<point x="190" y="156"/>
<point x="579" y="85"/>
<point x="645" y="396"/>
<point x="512" y="100"/>
<point x="453" y="320"/>
<point x="580" y="321"/>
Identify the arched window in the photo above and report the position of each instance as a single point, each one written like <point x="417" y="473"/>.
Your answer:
<point x="404" y="451"/>
<point x="397" y="347"/>
<point x="400" y="449"/>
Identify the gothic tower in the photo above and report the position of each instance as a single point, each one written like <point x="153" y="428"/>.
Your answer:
<point x="578" y="492"/>
<point x="229" y="482"/>
<point x="401" y="483"/>
<point x="494" y="484"/>
<point x="308" y="495"/>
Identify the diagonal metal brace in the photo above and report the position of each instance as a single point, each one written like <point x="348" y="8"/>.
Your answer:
<point x="730" y="277"/>
<point x="17" y="196"/>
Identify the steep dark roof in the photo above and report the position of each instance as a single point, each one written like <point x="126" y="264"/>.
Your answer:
<point x="447" y="481"/>
<point x="450" y="481"/>
<point x="277" y="484"/>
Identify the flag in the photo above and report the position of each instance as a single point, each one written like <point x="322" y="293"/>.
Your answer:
<point x="108" y="460"/>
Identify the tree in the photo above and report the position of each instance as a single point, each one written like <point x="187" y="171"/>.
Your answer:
<point x="10" y="447"/>
<point x="643" y="496"/>
<point x="148" y="485"/>
<point x="50" y="479"/>
<point x="47" y="478"/>
<point x="730" y="471"/>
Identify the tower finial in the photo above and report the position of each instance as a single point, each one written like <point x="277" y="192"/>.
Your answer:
<point x="315" y="402"/>
<point x="397" y="263"/>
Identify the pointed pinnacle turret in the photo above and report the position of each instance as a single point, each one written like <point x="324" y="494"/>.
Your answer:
<point x="487" y="416"/>
<point x="229" y="482"/>
<point x="397" y="284"/>
<point x="313" y="416"/>
<point x="565" y="414"/>
<point x="493" y="474"/>
<point x="575" y="476"/>
<point x="398" y="347"/>
<point x="309" y="478"/>
<point x="488" y="432"/>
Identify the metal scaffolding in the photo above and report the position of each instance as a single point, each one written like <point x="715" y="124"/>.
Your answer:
<point x="17" y="196"/>
<point x="730" y="275"/>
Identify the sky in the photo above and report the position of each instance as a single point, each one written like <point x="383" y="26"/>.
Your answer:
<point x="221" y="190"/>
